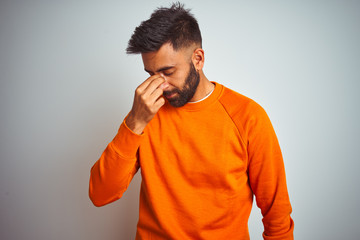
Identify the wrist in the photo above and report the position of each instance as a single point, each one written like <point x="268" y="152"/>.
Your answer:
<point x="134" y="125"/>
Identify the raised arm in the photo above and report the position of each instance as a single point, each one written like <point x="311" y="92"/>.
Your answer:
<point x="111" y="174"/>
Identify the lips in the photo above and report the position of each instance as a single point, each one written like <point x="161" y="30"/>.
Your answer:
<point x="169" y="95"/>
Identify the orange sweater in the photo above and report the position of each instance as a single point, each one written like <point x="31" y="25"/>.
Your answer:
<point x="200" y="166"/>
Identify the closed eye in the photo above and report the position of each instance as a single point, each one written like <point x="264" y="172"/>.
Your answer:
<point x="167" y="71"/>
<point x="168" y="74"/>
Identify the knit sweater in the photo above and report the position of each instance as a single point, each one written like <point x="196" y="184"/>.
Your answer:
<point x="200" y="164"/>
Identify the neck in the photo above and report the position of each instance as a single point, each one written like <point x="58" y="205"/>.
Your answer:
<point x="203" y="89"/>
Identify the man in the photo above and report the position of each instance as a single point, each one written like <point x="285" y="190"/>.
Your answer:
<point x="204" y="150"/>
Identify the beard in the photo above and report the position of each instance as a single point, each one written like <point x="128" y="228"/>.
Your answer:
<point x="188" y="90"/>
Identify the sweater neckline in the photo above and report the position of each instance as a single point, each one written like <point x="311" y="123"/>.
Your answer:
<point x="205" y="96"/>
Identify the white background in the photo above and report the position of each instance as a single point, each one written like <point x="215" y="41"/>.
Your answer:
<point x="66" y="84"/>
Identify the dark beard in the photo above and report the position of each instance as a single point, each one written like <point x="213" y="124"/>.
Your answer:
<point x="187" y="92"/>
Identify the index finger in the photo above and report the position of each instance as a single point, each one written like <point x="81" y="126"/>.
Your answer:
<point x="147" y="82"/>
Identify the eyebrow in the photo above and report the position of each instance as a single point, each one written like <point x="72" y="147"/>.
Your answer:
<point x="160" y="69"/>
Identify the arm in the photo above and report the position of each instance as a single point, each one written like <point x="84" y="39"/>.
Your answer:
<point x="267" y="177"/>
<point x="112" y="173"/>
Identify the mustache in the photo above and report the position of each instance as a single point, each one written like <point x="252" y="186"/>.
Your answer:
<point x="170" y="92"/>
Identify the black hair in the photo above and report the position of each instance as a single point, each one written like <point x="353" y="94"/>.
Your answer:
<point x="174" y="25"/>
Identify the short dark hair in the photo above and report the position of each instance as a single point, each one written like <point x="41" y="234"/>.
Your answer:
<point x="174" y="25"/>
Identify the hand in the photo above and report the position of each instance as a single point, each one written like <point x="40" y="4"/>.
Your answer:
<point x="147" y="102"/>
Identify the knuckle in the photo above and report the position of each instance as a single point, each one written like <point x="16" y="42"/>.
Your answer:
<point x="144" y="101"/>
<point x="148" y="104"/>
<point x="143" y="98"/>
<point x="138" y="90"/>
<point x="162" y="101"/>
<point x="154" y="110"/>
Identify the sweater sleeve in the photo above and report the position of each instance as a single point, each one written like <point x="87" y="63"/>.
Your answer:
<point x="110" y="176"/>
<point x="267" y="176"/>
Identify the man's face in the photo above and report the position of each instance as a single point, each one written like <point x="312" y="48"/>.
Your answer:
<point x="178" y="71"/>
<point x="179" y="97"/>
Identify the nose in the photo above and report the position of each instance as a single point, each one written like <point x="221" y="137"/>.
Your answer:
<point x="162" y="75"/>
<point x="165" y="84"/>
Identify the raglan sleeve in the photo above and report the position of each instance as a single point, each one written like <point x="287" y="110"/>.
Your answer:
<point x="110" y="176"/>
<point x="267" y="176"/>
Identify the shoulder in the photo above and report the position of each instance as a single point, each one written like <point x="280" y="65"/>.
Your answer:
<point x="238" y="104"/>
<point x="244" y="112"/>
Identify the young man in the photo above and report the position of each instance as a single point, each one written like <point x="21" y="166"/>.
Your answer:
<point x="204" y="150"/>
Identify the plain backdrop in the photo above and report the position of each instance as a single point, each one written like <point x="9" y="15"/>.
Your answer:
<point x="66" y="85"/>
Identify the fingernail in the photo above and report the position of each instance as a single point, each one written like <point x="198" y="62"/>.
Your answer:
<point x="164" y="85"/>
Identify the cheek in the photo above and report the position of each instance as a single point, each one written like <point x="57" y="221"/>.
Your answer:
<point x="176" y="80"/>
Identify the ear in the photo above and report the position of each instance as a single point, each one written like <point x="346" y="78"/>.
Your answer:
<point x="198" y="59"/>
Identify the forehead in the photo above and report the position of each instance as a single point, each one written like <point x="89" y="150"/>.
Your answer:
<point x="166" y="56"/>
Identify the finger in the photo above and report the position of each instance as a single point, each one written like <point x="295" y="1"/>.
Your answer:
<point x="147" y="82"/>
<point x="155" y="84"/>
<point x="156" y="95"/>
<point x="159" y="103"/>
<point x="164" y="85"/>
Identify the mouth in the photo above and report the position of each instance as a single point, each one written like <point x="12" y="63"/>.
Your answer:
<point x="169" y="95"/>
